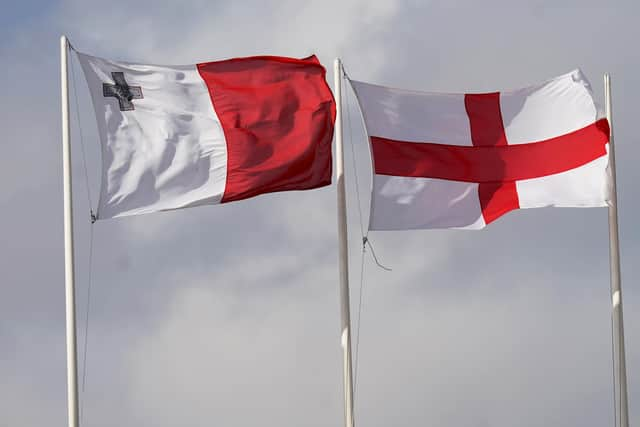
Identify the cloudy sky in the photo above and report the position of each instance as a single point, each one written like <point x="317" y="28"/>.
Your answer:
<point x="229" y="315"/>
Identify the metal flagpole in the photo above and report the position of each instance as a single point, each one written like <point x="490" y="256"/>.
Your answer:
<point x="70" y="306"/>
<point x="614" y="266"/>
<point x="343" y="252"/>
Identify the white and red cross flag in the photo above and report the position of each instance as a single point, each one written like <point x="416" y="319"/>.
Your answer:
<point x="179" y="136"/>
<point x="464" y="160"/>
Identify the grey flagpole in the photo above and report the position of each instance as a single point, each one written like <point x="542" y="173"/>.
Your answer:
<point x="620" y="366"/>
<point x="343" y="253"/>
<point x="70" y="304"/>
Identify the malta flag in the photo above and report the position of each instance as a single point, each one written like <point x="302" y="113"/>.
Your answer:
<point x="464" y="160"/>
<point x="180" y="136"/>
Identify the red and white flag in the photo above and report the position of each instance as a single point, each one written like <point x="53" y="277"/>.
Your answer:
<point x="179" y="136"/>
<point x="463" y="160"/>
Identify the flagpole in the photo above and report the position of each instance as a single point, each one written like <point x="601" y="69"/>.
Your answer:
<point x="343" y="253"/>
<point x="70" y="306"/>
<point x="614" y="266"/>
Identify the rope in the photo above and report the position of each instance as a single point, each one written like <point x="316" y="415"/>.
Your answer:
<point x="365" y="235"/>
<point x="86" y="326"/>
<point x="84" y="157"/>
<point x="353" y="158"/>
<point x="362" y="234"/>
<point x="366" y="241"/>
<point x="90" y="260"/>
<point x="357" y="352"/>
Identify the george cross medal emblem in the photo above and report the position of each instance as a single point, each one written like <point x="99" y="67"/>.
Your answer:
<point x="122" y="91"/>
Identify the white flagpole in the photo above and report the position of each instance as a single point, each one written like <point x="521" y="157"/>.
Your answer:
<point x="343" y="252"/>
<point x="70" y="306"/>
<point x="614" y="266"/>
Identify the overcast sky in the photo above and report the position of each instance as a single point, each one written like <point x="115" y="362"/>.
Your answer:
<point x="229" y="315"/>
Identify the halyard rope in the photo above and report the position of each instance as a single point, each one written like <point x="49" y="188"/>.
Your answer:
<point x="84" y="157"/>
<point x="362" y="234"/>
<point x="90" y="260"/>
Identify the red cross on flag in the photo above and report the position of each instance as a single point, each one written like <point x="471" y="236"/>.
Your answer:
<point x="180" y="136"/>
<point x="464" y="160"/>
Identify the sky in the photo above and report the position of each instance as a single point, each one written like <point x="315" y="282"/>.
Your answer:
<point x="229" y="315"/>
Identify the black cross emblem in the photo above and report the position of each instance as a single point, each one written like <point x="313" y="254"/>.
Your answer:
<point x="122" y="91"/>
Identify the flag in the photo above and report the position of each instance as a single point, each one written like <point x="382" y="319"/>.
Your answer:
<point x="463" y="160"/>
<point x="180" y="136"/>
